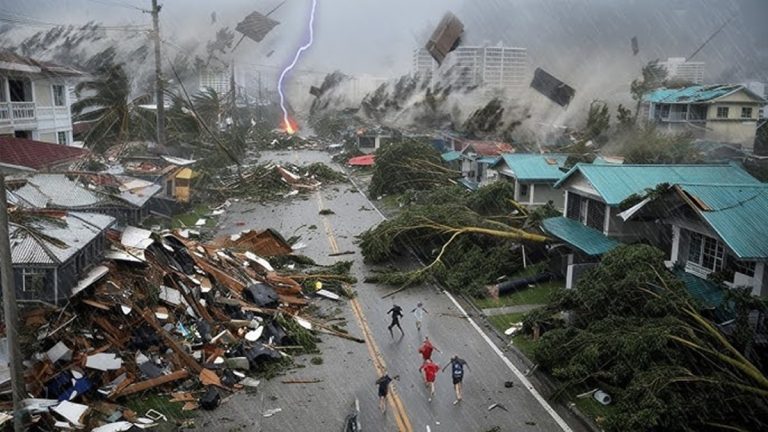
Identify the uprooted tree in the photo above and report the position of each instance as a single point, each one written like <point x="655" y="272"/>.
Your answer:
<point x="469" y="239"/>
<point x="636" y="333"/>
<point x="408" y="165"/>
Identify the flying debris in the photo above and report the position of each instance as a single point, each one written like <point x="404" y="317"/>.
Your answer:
<point x="551" y="87"/>
<point x="213" y="17"/>
<point x="635" y="46"/>
<point x="445" y="38"/>
<point x="256" y="26"/>
<point x="498" y="405"/>
<point x="315" y="91"/>
<point x="269" y="54"/>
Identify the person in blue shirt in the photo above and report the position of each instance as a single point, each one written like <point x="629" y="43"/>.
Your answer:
<point x="457" y="373"/>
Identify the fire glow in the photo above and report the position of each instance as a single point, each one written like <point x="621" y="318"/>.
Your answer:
<point x="287" y="125"/>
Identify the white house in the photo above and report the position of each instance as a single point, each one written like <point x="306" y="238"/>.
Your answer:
<point x="724" y="113"/>
<point x="534" y="176"/>
<point x="34" y="99"/>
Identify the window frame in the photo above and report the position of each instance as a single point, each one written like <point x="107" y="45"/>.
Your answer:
<point x="747" y="111"/>
<point x="725" y="110"/>
<point x="27" y="272"/>
<point x="59" y="136"/>
<point x="63" y="95"/>
<point x="710" y="254"/>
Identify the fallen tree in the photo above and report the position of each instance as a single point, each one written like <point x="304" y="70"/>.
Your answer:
<point x="636" y="333"/>
<point x="408" y="165"/>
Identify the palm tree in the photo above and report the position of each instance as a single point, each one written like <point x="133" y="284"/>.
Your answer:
<point x="114" y="114"/>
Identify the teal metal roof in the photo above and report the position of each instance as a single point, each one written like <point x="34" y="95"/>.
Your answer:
<point x="737" y="213"/>
<point x="708" y="295"/>
<point x="489" y="160"/>
<point x="615" y="183"/>
<point x="586" y="239"/>
<point x="535" y="166"/>
<point x="451" y="156"/>
<point x="694" y="94"/>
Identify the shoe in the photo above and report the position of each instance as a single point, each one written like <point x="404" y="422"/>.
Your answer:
<point x="456" y="402"/>
<point x="430" y="399"/>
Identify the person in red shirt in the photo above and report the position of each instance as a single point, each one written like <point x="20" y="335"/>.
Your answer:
<point x="430" y="369"/>
<point x="426" y="349"/>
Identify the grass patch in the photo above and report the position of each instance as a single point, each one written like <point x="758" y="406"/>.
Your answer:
<point x="592" y="408"/>
<point x="502" y="322"/>
<point x="525" y="344"/>
<point x="143" y="403"/>
<point x="189" y="218"/>
<point x="537" y="294"/>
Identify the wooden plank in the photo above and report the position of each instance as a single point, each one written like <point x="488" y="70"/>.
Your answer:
<point x="154" y="382"/>
<point x="185" y="358"/>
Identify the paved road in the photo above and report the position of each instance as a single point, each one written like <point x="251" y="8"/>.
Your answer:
<point x="350" y="369"/>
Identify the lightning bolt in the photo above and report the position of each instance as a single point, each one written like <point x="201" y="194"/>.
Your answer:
<point x="288" y="68"/>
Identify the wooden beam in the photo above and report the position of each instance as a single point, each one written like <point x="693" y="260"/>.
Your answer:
<point x="154" y="382"/>
<point x="185" y="358"/>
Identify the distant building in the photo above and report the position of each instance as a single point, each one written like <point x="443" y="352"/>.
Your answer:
<point x="680" y="70"/>
<point x="34" y="99"/>
<point x="216" y="77"/>
<point x="759" y="89"/>
<point x="724" y="113"/>
<point x="496" y="67"/>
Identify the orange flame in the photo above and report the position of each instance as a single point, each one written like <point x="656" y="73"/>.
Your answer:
<point x="290" y="127"/>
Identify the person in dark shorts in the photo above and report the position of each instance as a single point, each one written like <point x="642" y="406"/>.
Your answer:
<point x="397" y="313"/>
<point x="383" y="383"/>
<point x="457" y="373"/>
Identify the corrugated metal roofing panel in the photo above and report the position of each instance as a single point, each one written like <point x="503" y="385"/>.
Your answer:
<point x="451" y="156"/>
<point x="697" y="93"/>
<point x="79" y="230"/>
<point x="58" y="190"/>
<point x="737" y="213"/>
<point x="533" y="166"/>
<point x="588" y="240"/>
<point x="615" y="183"/>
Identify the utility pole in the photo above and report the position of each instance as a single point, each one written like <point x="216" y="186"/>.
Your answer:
<point x="10" y="313"/>
<point x="158" y="75"/>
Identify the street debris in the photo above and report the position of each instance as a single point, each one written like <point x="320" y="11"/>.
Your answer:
<point x="195" y="318"/>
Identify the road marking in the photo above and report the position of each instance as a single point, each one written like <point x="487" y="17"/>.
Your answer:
<point x="402" y="421"/>
<point x="535" y="393"/>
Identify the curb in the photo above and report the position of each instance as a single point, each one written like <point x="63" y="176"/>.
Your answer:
<point x="548" y="383"/>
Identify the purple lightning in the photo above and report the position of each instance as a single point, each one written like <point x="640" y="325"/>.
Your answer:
<point x="301" y="49"/>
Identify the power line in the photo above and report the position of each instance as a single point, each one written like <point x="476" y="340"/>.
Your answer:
<point x="31" y="22"/>
<point x="118" y="4"/>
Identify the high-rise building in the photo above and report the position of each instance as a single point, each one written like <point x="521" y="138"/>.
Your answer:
<point x="486" y="66"/>
<point x="681" y="70"/>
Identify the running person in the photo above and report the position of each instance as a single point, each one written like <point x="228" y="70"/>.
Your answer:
<point x="426" y="349"/>
<point x="430" y="369"/>
<point x="383" y="384"/>
<point x="397" y="313"/>
<point x="457" y="373"/>
<point x="419" y="312"/>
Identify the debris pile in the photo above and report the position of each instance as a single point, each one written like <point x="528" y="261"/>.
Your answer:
<point x="265" y="182"/>
<point x="174" y="315"/>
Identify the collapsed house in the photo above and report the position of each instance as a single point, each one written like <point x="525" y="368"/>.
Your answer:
<point x="124" y="198"/>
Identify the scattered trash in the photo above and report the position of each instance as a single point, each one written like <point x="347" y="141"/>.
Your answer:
<point x="326" y="212"/>
<point x="271" y="412"/>
<point x="602" y="397"/>
<point x="497" y="405"/>
<point x="509" y="384"/>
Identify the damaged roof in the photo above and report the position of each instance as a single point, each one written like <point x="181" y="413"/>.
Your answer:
<point x="615" y="183"/>
<point x="588" y="240"/>
<point x="75" y="230"/>
<point x="697" y="94"/>
<point x="37" y="155"/>
<point x="533" y="166"/>
<point x="738" y="213"/>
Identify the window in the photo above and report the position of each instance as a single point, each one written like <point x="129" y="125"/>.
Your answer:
<point x="722" y="112"/>
<point x="746" y="112"/>
<point x="58" y="95"/>
<point x="574" y="206"/>
<point x="744" y="267"/>
<point x="706" y="252"/>
<point x="34" y="280"/>
<point x="61" y="137"/>
<point x="523" y="190"/>
<point x="596" y="215"/>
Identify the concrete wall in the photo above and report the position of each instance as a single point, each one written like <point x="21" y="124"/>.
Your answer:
<point x="544" y="192"/>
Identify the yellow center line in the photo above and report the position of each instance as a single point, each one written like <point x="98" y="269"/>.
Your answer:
<point x="401" y="416"/>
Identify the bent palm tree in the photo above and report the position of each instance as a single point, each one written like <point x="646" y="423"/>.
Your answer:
<point x="114" y="115"/>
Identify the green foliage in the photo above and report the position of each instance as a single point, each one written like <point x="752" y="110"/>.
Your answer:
<point x="324" y="173"/>
<point x="485" y="120"/>
<point x="406" y="165"/>
<point x="647" y="145"/>
<point x="598" y="121"/>
<point x="635" y="334"/>
<point x="496" y="198"/>
<point x="624" y="118"/>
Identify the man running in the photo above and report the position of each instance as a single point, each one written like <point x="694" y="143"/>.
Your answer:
<point x="397" y="313"/>
<point x="426" y="349"/>
<point x="457" y="373"/>
<point x="383" y="384"/>
<point x="419" y="312"/>
<point x="430" y="369"/>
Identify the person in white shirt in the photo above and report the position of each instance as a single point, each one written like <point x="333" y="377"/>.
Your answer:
<point x="418" y="313"/>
